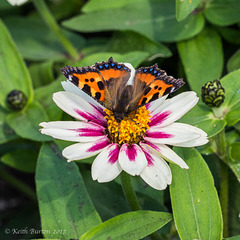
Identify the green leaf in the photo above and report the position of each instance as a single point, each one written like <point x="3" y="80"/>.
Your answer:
<point x="6" y="133"/>
<point x="201" y="116"/>
<point x="234" y="207"/>
<point x="233" y="238"/>
<point x="168" y="29"/>
<point x="108" y="197"/>
<point x="126" y="18"/>
<point x="231" y="137"/>
<point x="132" y="41"/>
<point x="231" y="104"/>
<point x="234" y="62"/>
<point x="36" y="41"/>
<point x="237" y="126"/>
<point x="135" y="58"/>
<point x="5" y="5"/>
<point x="141" y="187"/>
<point x="65" y="207"/>
<point x="13" y="71"/>
<point x="229" y="34"/>
<point x="132" y="225"/>
<point x="223" y="12"/>
<point x="95" y="45"/>
<point x="26" y="122"/>
<point x="202" y="58"/>
<point x="21" y="159"/>
<point x="109" y="200"/>
<point x="17" y="145"/>
<point x="206" y="149"/>
<point x="234" y="154"/>
<point x="99" y="5"/>
<point x="184" y="8"/>
<point x="44" y="96"/>
<point x="154" y="19"/>
<point x="41" y="73"/>
<point x="195" y="204"/>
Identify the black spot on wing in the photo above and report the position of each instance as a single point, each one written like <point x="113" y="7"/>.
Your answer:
<point x="167" y="91"/>
<point x="98" y="95"/>
<point x="154" y="97"/>
<point x="147" y="90"/>
<point x="74" y="80"/>
<point x="100" y="85"/>
<point x="87" y="89"/>
<point x="143" y="101"/>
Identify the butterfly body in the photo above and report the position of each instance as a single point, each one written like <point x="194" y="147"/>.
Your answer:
<point x="120" y="107"/>
<point x="119" y="87"/>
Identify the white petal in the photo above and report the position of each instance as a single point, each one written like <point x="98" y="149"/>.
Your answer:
<point x="78" y="108"/>
<point x="79" y="151"/>
<point x="70" y="87"/>
<point x="165" y="152"/>
<point x="175" y="133"/>
<point x="72" y="125"/>
<point x="152" y="106"/>
<point x="17" y="2"/>
<point x="75" y="131"/>
<point x="174" y="108"/>
<point x="106" y="166"/>
<point x="132" y="159"/>
<point x="194" y="143"/>
<point x="157" y="174"/>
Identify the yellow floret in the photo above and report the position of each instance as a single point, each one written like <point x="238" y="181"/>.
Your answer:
<point x="132" y="127"/>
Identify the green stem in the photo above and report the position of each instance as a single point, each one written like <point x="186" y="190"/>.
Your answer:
<point x="43" y="10"/>
<point x="224" y="196"/>
<point x="218" y="112"/>
<point x="131" y="197"/>
<point x="222" y="154"/>
<point x="221" y="146"/>
<point x="129" y="192"/>
<point x="16" y="183"/>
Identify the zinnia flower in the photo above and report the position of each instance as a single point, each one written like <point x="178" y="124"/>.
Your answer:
<point x="136" y="145"/>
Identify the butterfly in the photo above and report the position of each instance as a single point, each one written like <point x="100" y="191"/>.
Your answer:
<point x="119" y="87"/>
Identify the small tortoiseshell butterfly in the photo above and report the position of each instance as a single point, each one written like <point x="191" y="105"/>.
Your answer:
<point x="119" y="88"/>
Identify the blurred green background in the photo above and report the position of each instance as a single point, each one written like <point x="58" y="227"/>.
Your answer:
<point x="197" y="40"/>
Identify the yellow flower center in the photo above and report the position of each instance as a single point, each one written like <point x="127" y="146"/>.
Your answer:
<point x="132" y="127"/>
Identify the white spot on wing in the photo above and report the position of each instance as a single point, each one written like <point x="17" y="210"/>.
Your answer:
<point x="130" y="80"/>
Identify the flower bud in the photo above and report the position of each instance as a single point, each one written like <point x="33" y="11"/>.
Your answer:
<point x="16" y="100"/>
<point x="213" y="94"/>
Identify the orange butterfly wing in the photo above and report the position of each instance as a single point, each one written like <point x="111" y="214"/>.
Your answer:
<point x="112" y="71"/>
<point x="88" y="79"/>
<point x="155" y="83"/>
<point x="103" y="81"/>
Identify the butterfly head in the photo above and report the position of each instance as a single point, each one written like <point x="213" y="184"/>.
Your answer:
<point x="119" y="116"/>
